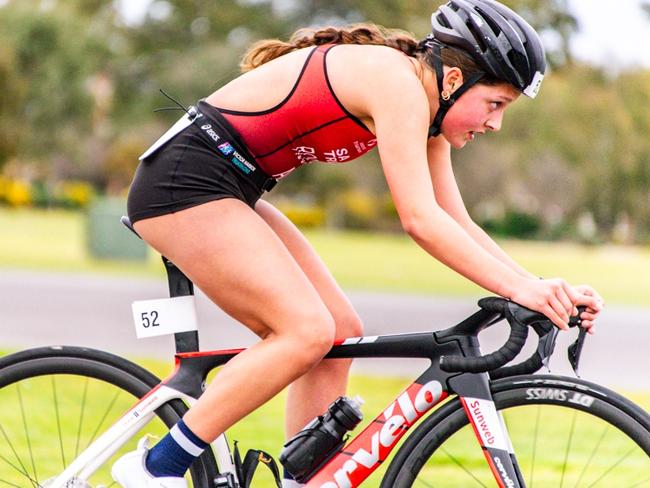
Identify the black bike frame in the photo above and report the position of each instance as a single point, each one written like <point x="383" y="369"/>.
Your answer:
<point x="372" y="446"/>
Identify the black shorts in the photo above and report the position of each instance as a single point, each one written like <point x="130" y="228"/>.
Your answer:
<point x="192" y="168"/>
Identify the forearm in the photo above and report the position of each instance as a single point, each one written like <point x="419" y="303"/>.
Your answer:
<point x="487" y="243"/>
<point x="443" y="238"/>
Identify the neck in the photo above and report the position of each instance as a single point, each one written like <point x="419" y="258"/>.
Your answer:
<point x="428" y="78"/>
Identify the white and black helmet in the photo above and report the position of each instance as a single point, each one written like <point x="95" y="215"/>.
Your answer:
<point x="501" y="43"/>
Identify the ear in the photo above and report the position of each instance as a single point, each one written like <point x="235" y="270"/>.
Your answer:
<point x="453" y="79"/>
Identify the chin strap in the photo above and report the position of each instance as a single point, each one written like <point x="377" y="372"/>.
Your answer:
<point x="445" y="105"/>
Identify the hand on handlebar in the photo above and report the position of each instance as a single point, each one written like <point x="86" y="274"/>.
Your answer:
<point x="556" y="299"/>
<point x="590" y="315"/>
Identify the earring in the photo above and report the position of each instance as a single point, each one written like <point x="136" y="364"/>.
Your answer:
<point x="445" y="95"/>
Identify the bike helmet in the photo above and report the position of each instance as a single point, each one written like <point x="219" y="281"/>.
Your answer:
<point x="501" y="43"/>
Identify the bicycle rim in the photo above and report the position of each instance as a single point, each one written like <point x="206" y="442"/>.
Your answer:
<point x="564" y="434"/>
<point x="52" y="408"/>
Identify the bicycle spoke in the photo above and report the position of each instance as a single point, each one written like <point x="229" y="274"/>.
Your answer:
<point x="58" y="421"/>
<point x="81" y="417"/>
<point x="24" y="473"/>
<point x="23" y="469"/>
<point x="424" y="483"/>
<point x="641" y="483"/>
<point x="535" y="438"/>
<point x="568" y="447"/>
<point x="592" y="455"/>
<point x="27" y="437"/>
<point x="9" y="484"/>
<point x="612" y="467"/>
<point x="460" y="465"/>
<point x="103" y="418"/>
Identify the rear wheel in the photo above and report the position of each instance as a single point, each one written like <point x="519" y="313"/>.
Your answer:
<point x="565" y="433"/>
<point x="55" y="401"/>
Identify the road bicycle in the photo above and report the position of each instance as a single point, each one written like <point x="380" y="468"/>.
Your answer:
<point x="66" y="413"/>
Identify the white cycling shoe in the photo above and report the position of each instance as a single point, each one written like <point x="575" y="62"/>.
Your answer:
<point x="130" y="471"/>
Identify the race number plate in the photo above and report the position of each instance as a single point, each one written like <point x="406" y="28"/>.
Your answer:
<point x="164" y="316"/>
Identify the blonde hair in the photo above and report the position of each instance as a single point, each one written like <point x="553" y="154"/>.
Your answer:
<point x="264" y="51"/>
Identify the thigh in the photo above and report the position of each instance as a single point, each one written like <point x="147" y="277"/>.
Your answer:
<point x="237" y="260"/>
<point x="348" y="323"/>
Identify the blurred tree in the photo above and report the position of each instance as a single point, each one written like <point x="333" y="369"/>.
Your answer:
<point x="53" y="53"/>
<point x="11" y="98"/>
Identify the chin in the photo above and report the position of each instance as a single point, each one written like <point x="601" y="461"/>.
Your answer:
<point x="455" y="142"/>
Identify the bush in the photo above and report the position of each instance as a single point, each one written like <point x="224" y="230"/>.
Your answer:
<point x="359" y="210"/>
<point x="15" y="193"/>
<point x="302" y="214"/>
<point x="74" y="194"/>
<point x="70" y="194"/>
<point x="514" y="223"/>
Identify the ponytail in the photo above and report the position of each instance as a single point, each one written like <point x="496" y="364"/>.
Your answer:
<point x="366" y="33"/>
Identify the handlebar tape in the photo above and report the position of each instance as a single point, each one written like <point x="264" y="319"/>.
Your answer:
<point x="519" y="318"/>
<point x="512" y="347"/>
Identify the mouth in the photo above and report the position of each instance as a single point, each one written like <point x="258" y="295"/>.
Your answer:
<point x="472" y="135"/>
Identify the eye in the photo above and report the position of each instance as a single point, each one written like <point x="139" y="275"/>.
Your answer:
<point x="495" y="105"/>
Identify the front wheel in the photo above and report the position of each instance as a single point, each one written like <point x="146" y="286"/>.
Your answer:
<point x="565" y="433"/>
<point x="54" y="401"/>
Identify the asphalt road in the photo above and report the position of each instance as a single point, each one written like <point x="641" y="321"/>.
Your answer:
<point x="95" y="311"/>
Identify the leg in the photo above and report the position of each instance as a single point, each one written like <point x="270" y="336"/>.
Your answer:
<point x="310" y="395"/>
<point x="229" y="252"/>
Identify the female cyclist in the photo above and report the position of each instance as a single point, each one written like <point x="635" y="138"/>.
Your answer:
<point x="327" y="95"/>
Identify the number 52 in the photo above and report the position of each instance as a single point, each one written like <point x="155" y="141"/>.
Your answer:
<point x="149" y="319"/>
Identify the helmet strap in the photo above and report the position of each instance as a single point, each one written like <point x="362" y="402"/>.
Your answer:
<point x="447" y="99"/>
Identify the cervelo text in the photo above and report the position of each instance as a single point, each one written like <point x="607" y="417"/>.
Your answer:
<point x="377" y="443"/>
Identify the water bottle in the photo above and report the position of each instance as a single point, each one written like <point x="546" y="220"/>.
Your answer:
<point x="321" y="439"/>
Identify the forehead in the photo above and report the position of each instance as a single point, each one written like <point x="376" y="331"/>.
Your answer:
<point x="502" y="90"/>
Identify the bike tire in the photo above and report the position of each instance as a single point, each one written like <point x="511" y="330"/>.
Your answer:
<point x="48" y="397"/>
<point x="584" y="429"/>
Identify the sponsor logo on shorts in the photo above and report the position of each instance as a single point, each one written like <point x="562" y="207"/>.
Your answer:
<point x="240" y="165"/>
<point x="207" y="128"/>
<point x="241" y="162"/>
<point x="226" y="148"/>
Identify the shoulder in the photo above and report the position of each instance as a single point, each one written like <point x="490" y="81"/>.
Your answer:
<point x="370" y="76"/>
<point x="370" y="59"/>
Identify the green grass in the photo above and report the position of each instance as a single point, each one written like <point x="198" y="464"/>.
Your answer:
<point x="54" y="240"/>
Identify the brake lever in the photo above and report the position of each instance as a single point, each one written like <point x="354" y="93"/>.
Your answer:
<point x="575" y="350"/>
<point x="546" y="345"/>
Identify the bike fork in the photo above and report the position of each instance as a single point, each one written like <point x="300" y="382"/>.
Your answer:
<point x="489" y="428"/>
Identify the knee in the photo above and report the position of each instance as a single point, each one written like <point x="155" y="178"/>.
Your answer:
<point x="313" y="339"/>
<point x="348" y="325"/>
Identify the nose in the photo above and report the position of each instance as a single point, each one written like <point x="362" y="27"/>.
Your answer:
<point x="494" y="123"/>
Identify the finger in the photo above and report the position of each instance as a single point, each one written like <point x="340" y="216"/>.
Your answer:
<point x="585" y="290"/>
<point x="591" y="317"/>
<point x="572" y="293"/>
<point x="554" y="317"/>
<point x="589" y="291"/>
<point x="589" y="325"/>
<point x="568" y="296"/>
<point x="559" y="308"/>
<point x="589" y="302"/>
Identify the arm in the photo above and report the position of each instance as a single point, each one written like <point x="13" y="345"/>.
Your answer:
<point x="450" y="200"/>
<point x="397" y="104"/>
